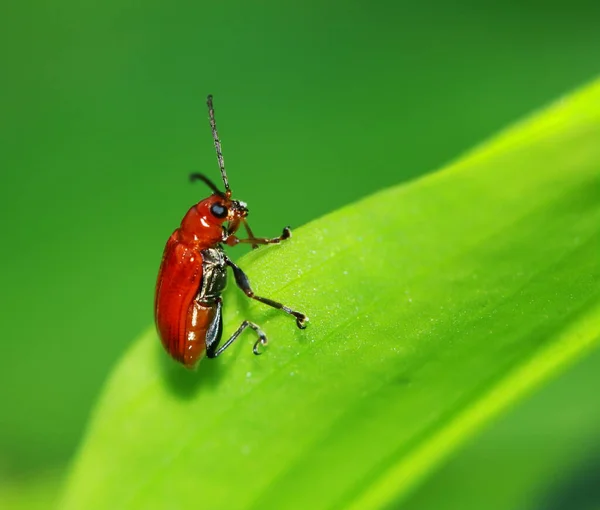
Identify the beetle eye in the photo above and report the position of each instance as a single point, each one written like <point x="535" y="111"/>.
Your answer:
<point x="219" y="211"/>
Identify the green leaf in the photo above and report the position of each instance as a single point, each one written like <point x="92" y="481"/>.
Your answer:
<point x="545" y="452"/>
<point x="433" y="306"/>
<point x="35" y="491"/>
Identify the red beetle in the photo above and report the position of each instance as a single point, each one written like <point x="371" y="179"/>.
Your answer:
<point x="193" y="273"/>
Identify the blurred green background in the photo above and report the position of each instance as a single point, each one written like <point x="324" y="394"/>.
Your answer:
<point x="318" y="104"/>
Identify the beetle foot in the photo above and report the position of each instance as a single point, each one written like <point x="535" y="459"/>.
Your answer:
<point x="301" y="321"/>
<point x="261" y="341"/>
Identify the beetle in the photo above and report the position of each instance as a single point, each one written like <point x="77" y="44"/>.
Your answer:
<point x="193" y="273"/>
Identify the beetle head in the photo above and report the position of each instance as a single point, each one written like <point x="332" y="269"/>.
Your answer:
<point x="216" y="217"/>
<point x="219" y="209"/>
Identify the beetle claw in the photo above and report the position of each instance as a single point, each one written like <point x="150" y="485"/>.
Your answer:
<point x="301" y="321"/>
<point x="261" y="341"/>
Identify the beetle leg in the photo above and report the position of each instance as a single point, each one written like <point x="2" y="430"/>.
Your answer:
<point x="232" y="240"/>
<point x="262" y="339"/>
<point x="242" y="282"/>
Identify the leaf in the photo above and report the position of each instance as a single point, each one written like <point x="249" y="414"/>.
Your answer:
<point x="37" y="491"/>
<point x="433" y="307"/>
<point x="545" y="452"/>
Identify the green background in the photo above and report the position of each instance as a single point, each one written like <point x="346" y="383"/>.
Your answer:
<point x="318" y="104"/>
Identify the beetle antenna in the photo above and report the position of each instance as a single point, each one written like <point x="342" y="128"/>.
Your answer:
<point x="213" y="126"/>
<point x="208" y="182"/>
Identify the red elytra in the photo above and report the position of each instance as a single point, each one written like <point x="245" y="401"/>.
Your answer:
<point x="193" y="273"/>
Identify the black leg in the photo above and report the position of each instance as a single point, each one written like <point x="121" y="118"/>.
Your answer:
<point x="242" y="281"/>
<point x="262" y="339"/>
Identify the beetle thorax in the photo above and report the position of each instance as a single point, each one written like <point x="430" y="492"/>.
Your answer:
<point x="200" y="226"/>
<point x="214" y="274"/>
